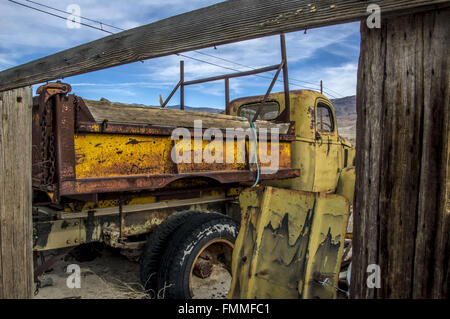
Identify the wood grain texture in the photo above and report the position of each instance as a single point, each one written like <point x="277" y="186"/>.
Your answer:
<point x="139" y="114"/>
<point x="225" y="22"/>
<point x="401" y="219"/>
<point x="16" y="254"/>
<point x="431" y="265"/>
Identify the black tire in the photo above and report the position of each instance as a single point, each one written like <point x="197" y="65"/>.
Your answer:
<point x="175" y="271"/>
<point x="156" y="245"/>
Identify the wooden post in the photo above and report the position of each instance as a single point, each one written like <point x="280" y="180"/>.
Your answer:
<point x="227" y="96"/>
<point x="16" y="255"/>
<point x="402" y="213"/>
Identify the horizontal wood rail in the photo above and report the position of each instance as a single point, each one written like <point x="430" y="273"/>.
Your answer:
<point x="225" y="22"/>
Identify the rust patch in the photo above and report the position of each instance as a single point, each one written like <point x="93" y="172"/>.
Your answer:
<point x="132" y="141"/>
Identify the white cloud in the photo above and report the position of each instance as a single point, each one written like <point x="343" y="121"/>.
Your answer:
<point x="35" y="33"/>
<point x="26" y="33"/>
<point x="341" y="79"/>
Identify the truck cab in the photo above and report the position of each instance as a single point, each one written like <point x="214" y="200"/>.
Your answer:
<point x="318" y="151"/>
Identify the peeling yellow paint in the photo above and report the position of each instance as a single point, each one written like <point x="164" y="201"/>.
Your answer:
<point x="289" y="240"/>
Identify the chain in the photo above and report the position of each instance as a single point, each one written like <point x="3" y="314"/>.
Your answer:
<point x="77" y="112"/>
<point x="47" y="148"/>
<point x="52" y="159"/>
<point x="38" y="285"/>
<point x="44" y="144"/>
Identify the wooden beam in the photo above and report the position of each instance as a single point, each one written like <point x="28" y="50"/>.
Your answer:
<point x="16" y="254"/>
<point x="226" y="22"/>
<point x="402" y="217"/>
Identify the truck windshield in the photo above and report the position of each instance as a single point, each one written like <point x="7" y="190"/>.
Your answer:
<point x="270" y="111"/>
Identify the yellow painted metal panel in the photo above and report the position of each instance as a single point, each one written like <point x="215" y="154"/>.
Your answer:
<point x="62" y="233"/>
<point x="346" y="184"/>
<point x="102" y="155"/>
<point x="303" y="157"/>
<point x="288" y="241"/>
<point x="328" y="155"/>
<point x="106" y="155"/>
<point x="325" y="246"/>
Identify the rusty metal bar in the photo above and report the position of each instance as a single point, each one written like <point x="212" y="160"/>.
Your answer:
<point x="144" y="129"/>
<point x="287" y="101"/>
<point x="227" y="96"/>
<point x="233" y="75"/>
<point x="143" y="207"/>
<point x="171" y="94"/>
<point x="39" y="270"/>
<point x="182" y="84"/>
<point x="268" y="92"/>
<point x="153" y="182"/>
<point x="121" y="221"/>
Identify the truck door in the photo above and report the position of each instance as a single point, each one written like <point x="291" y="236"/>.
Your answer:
<point x="327" y="162"/>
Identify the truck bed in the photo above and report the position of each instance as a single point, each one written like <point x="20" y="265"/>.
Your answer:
<point x="115" y="112"/>
<point x="103" y="147"/>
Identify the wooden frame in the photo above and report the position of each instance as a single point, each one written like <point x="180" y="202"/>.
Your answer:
<point x="238" y="20"/>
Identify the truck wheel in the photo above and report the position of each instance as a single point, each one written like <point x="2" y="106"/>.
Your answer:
<point x="156" y="245"/>
<point x="197" y="260"/>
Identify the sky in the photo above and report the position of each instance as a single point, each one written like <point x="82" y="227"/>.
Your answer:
<point x="329" y="54"/>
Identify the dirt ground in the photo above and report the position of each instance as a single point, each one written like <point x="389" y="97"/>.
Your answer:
<point x="113" y="276"/>
<point x="109" y="276"/>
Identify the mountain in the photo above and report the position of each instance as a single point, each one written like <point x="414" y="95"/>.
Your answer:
<point x="345" y="109"/>
<point x="197" y="109"/>
<point x="345" y="106"/>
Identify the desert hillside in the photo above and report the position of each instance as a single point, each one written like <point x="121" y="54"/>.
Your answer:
<point x="346" y="116"/>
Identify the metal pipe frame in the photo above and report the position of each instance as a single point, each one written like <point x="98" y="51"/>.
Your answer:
<point x="226" y="77"/>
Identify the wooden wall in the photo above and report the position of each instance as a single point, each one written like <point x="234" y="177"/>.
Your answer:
<point x="16" y="255"/>
<point x="402" y="198"/>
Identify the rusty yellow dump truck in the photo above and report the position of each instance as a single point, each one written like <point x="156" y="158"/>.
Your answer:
<point x="258" y="196"/>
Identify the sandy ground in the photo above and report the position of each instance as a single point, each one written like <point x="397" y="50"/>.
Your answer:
<point x="113" y="276"/>
<point x="215" y="286"/>
<point x="109" y="276"/>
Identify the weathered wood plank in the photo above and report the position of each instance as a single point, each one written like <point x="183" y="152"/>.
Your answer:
<point x="401" y="221"/>
<point x="226" y="22"/>
<point x="139" y="114"/>
<point x="431" y="271"/>
<point x="365" y="213"/>
<point x="16" y="255"/>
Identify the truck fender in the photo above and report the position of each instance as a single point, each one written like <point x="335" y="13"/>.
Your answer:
<point x="346" y="184"/>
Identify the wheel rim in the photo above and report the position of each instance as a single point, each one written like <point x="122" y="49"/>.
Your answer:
<point x="210" y="273"/>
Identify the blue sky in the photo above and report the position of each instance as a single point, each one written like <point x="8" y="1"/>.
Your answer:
<point x="329" y="54"/>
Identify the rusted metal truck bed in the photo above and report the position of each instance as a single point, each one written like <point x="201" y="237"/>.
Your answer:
<point x="88" y="147"/>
